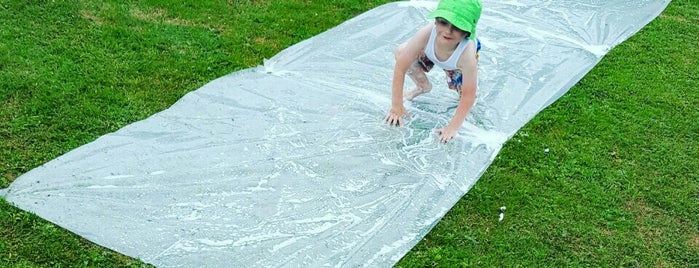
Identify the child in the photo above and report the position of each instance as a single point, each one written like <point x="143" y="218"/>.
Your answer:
<point x="450" y="44"/>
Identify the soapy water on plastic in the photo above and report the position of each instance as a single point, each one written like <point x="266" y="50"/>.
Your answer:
<point x="289" y="164"/>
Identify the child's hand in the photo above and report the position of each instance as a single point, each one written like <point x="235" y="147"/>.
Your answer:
<point x="395" y="115"/>
<point x="446" y="134"/>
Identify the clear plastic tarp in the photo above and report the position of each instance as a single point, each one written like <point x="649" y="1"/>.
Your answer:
<point x="290" y="164"/>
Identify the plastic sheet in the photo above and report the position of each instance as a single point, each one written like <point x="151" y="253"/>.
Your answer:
<point x="289" y="164"/>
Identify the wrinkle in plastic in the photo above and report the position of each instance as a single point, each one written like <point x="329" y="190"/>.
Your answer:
<point x="290" y="164"/>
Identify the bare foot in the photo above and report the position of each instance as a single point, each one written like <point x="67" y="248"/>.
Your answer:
<point x="410" y="95"/>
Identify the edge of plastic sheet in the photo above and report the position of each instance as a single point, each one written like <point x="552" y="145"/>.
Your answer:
<point x="3" y="192"/>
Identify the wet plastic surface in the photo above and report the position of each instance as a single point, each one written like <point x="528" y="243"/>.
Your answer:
<point x="289" y="164"/>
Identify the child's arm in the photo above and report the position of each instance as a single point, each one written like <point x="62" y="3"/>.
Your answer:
<point x="469" y="71"/>
<point x="406" y="54"/>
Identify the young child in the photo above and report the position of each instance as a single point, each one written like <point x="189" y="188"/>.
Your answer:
<point x="451" y="44"/>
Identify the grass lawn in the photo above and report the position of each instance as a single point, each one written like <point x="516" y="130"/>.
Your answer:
<point x="606" y="176"/>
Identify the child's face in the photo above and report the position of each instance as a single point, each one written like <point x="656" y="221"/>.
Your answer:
<point x="449" y="31"/>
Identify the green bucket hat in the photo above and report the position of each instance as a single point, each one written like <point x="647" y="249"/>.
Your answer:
<point x="463" y="14"/>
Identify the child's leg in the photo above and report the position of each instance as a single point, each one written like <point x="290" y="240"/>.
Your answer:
<point x="416" y="72"/>
<point x="423" y="85"/>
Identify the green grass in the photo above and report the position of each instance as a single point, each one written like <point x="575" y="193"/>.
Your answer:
<point x="618" y="186"/>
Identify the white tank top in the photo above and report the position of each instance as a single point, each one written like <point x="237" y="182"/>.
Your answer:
<point x="450" y="63"/>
